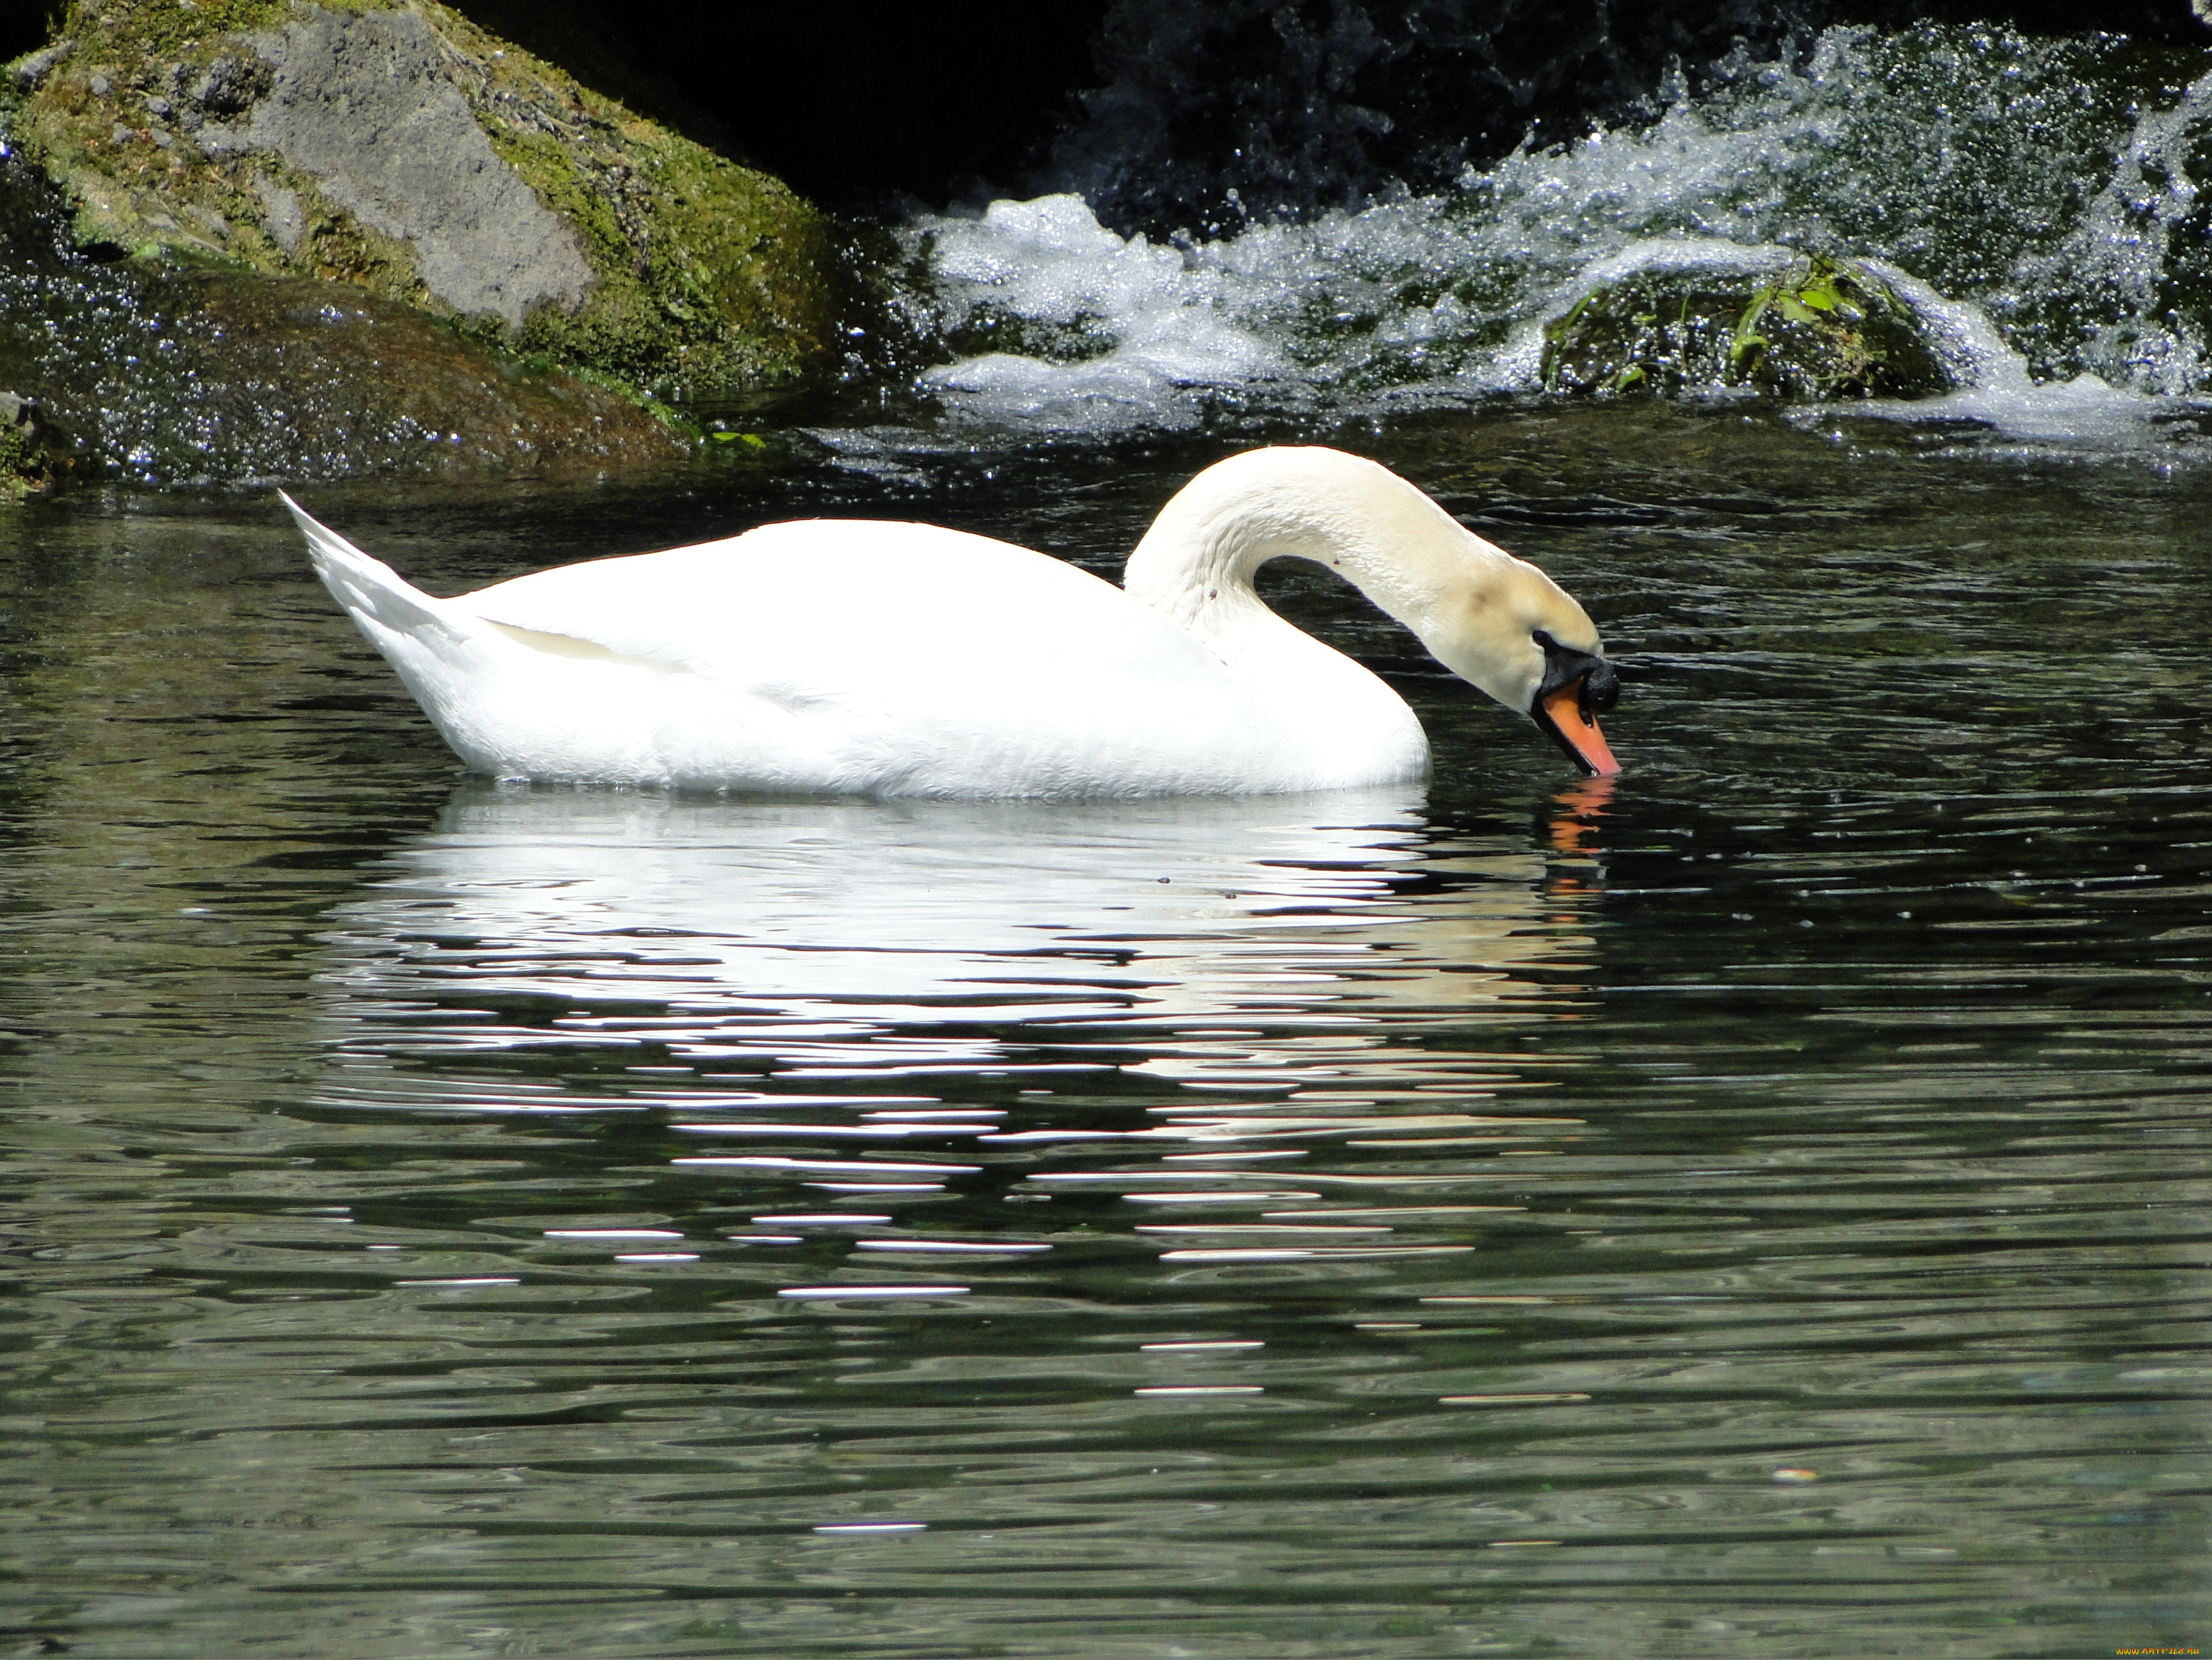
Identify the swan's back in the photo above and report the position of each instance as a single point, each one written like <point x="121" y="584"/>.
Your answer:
<point x="862" y="610"/>
<point x="859" y="656"/>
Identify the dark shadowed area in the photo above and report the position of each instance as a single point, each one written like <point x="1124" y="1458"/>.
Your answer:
<point x="1155" y="107"/>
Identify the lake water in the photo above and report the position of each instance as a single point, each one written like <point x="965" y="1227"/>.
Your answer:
<point x="1754" y="1207"/>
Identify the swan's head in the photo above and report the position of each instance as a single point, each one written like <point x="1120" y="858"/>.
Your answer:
<point x="1497" y="622"/>
<point x="1504" y="626"/>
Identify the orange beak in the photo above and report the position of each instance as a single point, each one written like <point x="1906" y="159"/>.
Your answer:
<point x="1577" y="733"/>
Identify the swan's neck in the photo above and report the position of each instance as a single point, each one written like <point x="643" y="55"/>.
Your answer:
<point x="1198" y="561"/>
<point x="1479" y="610"/>
<point x="1331" y="717"/>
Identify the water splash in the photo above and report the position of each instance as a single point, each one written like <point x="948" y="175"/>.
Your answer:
<point x="2034" y="200"/>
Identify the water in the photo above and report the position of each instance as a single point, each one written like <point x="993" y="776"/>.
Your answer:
<point x="2036" y="200"/>
<point x="1754" y="1208"/>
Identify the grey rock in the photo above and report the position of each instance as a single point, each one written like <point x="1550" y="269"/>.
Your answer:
<point x="101" y="86"/>
<point x="358" y="101"/>
<point x="30" y="72"/>
<point x="280" y="214"/>
<point x="209" y="221"/>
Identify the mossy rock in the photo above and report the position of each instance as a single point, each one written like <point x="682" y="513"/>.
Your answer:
<point x="396" y="146"/>
<point x="166" y="373"/>
<point x="1823" y="329"/>
<point x="26" y="469"/>
<point x="988" y="328"/>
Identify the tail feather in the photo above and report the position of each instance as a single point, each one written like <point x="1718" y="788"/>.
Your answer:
<point x="444" y="656"/>
<point x="372" y="592"/>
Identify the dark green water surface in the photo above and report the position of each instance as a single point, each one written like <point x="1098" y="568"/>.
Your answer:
<point x="1753" y="1208"/>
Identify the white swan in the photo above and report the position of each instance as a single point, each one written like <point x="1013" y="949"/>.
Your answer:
<point x="857" y="656"/>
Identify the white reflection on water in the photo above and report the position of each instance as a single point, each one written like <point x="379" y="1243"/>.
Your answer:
<point x="853" y="942"/>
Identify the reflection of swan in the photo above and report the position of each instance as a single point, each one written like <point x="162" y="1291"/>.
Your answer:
<point x="765" y="913"/>
<point x="905" y="659"/>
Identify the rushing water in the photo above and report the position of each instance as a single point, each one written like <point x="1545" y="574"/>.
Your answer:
<point x="1753" y="1207"/>
<point x="2038" y="200"/>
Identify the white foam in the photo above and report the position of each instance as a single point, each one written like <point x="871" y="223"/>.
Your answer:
<point x="1443" y="296"/>
<point x="1162" y="319"/>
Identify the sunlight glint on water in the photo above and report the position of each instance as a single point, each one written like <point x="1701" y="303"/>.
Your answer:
<point x="1756" y="1207"/>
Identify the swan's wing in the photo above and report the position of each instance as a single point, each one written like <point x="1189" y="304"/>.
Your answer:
<point x="857" y="611"/>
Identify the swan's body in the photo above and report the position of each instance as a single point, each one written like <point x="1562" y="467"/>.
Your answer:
<point x="898" y="659"/>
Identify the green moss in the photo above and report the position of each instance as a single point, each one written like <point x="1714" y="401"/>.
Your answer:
<point x="666" y="413"/>
<point x="709" y="279"/>
<point x="1832" y="329"/>
<point x="97" y="126"/>
<point x="1825" y="328"/>
<point x="24" y="467"/>
<point x="123" y="32"/>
